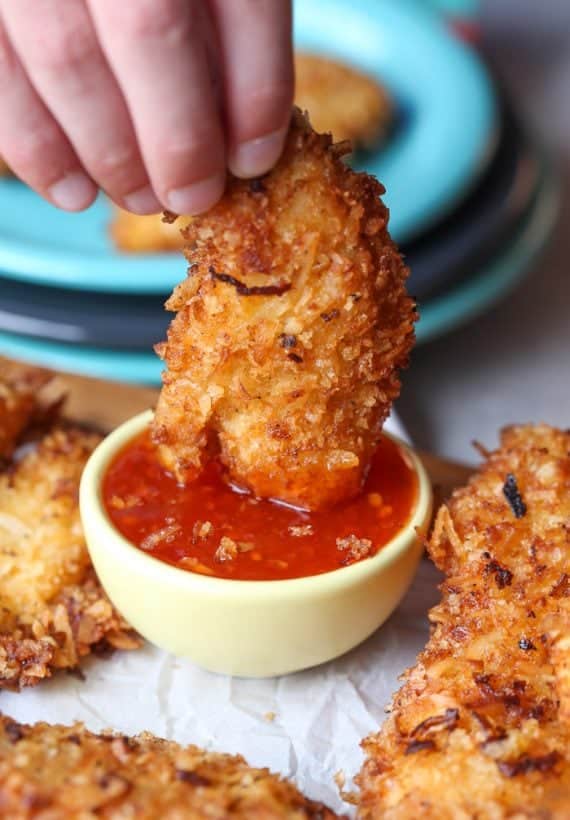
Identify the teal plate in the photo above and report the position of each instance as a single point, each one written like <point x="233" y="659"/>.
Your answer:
<point x="448" y="112"/>
<point x="445" y="136"/>
<point x="456" y="307"/>
<point x="476" y="294"/>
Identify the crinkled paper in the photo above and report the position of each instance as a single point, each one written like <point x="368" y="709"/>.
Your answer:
<point x="307" y="726"/>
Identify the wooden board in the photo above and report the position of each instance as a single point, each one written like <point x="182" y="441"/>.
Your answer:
<point x="105" y="404"/>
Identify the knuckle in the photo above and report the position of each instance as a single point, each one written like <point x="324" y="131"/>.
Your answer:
<point x="67" y="48"/>
<point x="158" y="19"/>
<point x="35" y="145"/>
<point x="196" y="161"/>
<point x="35" y="154"/>
<point x="117" y="167"/>
<point x="200" y="149"/>
<point x="115" y="160"/>
<point x="262" y="110"/>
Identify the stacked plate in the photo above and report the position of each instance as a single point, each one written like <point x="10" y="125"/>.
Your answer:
<point x="472" y="199"/>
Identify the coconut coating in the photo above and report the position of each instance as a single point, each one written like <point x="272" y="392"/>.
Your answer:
<point x="290" y="330"/>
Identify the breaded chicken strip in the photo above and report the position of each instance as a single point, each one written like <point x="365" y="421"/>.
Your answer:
<point x="290" y="330"/>
<point x="481" y="727"/>
<point x="52" y="608"/>
<point x="341" y="100"/>
<point x="21" y="402"/>
<point x="68" y="773"/>
<point x="145" y="234"/>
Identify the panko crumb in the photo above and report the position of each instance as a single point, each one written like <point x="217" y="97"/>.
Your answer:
<point x="270" y="716"/>
<point x="340" y="780"/>
<point x="356" y="548"/>
<point x="301" y="530"/>
<point x="227" y="550"/>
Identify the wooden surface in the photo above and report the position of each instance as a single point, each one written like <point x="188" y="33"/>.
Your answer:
<point x="105" y="404"/>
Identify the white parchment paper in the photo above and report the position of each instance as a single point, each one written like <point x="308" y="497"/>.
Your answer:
<point x="307" y="726"/>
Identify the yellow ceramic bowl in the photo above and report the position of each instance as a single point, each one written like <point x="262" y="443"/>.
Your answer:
<point x="247" y="628"/>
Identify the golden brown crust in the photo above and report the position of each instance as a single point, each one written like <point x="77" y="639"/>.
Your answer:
<point x="341" y="100"/>
<point x="289" y="330"/>
<point x="24" y="401"/>
<point x="481" y="727"/>
<point x="68" y="773"/>
<point x="52" y="608"/>
<point x="145" y="234"/>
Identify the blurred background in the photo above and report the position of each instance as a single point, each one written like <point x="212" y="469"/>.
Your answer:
<point x="512" y="364"/>
<point x="462" y="110"/>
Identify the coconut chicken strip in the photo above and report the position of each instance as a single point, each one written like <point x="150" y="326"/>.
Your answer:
<point x="53" y="611"/>
<point x="481" y="727"/>
<point x="342" y="100"/>
<point x="21" y="402"/>
<point x="145" y="234"/>
<point x="289" y="331"/>
<point x="68" y="773"/>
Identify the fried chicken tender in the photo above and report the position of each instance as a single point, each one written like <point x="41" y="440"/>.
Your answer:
<point x="52" y="608"/>
<point x="145" y="234"/>
<point x="289" y="330"/>
<point x="341" y="100"/>
<point x="68" y="773"/>
<point x="481" y="726"/>
<point x="21" y="402"/>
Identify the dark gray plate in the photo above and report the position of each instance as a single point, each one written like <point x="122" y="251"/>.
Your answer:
<point x="83" y="318"/>
<point x="486" y="219"/>
<point x="454" y="249"/>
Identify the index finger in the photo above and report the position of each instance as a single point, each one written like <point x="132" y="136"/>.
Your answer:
<point x="257" y="57"/>
<point x="157" y="49"/>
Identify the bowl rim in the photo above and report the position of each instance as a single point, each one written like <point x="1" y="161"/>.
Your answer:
<point x="94" y="517"/>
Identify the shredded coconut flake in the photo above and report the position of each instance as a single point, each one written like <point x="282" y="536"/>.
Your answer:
<point x="166" y="535"/>
<point x="227" y="550"/>
<point x="355" y="548"/>
<point x="301" y="530"/>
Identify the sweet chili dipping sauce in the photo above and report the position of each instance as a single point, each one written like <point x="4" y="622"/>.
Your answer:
<point x="210" y="528"/>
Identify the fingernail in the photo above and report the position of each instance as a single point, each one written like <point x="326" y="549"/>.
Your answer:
<point x="196" y="198"/>
<point x="143" y="201"/>
<point x="256" y="157"/>
<point x="73" y="192"/>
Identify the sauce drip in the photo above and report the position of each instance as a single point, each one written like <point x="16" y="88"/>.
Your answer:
<point x="210" y="528"/>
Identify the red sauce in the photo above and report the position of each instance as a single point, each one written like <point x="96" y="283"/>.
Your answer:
<point x="210" y="528"/>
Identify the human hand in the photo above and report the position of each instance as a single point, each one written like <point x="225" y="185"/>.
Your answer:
<point x="149" y="100"/>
